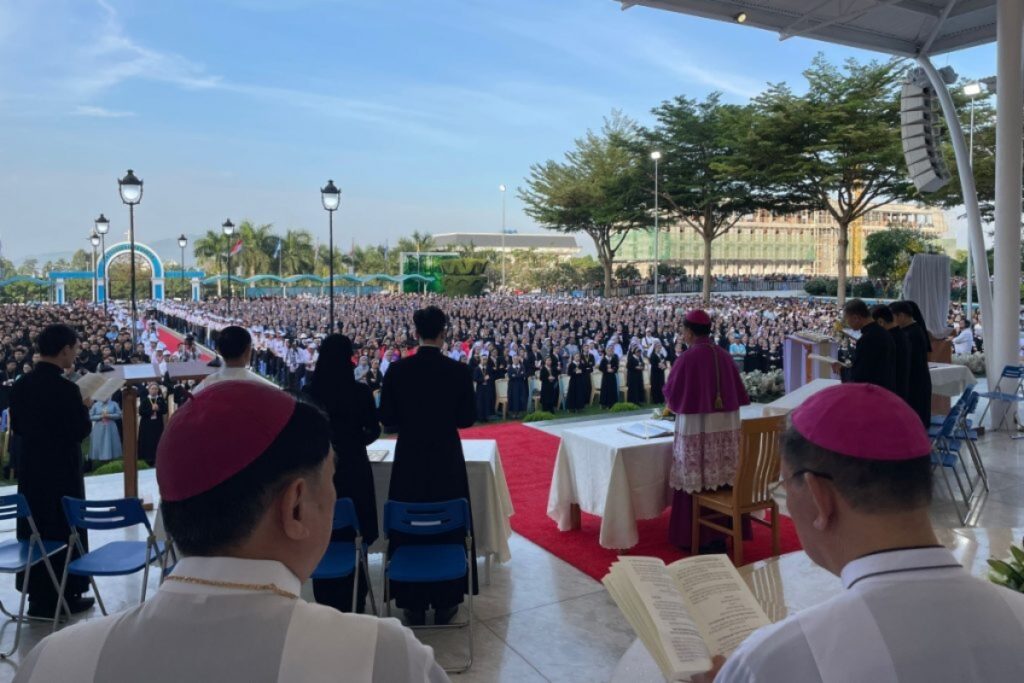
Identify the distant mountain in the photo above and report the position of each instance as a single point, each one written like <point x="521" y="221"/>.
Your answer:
<point x="167" y="249"/>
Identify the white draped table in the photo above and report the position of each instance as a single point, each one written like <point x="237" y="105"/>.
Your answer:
<point x="488" y="491"/>
<point x="787" y="584"/>
<point x="618" y="477"/>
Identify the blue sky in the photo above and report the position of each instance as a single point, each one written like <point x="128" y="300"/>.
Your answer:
<point x="417" y="109"/>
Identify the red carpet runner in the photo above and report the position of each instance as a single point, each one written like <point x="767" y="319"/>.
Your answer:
<point x="172" y="339"/>
<point x="528" y="456"/>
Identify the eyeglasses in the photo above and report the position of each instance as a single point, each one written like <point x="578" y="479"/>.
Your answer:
<point x="796" y="475"/>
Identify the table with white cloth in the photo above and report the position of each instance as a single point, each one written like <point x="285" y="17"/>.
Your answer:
<point x="618" y="477"/>
<point x="794" y="399"/>
<point x="488" y="492"/>
<point x="787" y="584"/>
<point x="950" y="379"/>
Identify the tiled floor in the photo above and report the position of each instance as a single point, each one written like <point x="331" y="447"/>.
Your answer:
<point x="540" y="619"/>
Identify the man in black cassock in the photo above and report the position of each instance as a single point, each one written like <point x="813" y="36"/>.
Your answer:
<point x="901" y="350"/>
<point x="873" y="355"/>
<point x="51" y="418"/>
<point x="426" y="398"/>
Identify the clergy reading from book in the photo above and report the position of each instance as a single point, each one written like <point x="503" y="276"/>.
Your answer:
<point x="856" y="468"/>
<point x="245" y="475"/>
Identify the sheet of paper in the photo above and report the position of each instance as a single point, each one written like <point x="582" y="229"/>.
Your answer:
<point x="140" y="371"/>
<point x="108" y="389"/>
<point x="90" y="383"/>
<point x="679" y="634"/>
<point x="826" y="359"/>
<point x="378" y="455"/>
<point x="646" y="430"/>
<point x="719" y="600"/>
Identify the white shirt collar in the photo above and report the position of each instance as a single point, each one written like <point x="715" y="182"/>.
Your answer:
<point x="890" y="562"/>
<point x="232" y="570"/>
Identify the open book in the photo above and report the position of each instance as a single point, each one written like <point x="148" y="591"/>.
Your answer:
<point x="99" y="387"/>
<point x="648" y="429"/>
<point x="826" y="359"/>
<point x="687" y="612"/>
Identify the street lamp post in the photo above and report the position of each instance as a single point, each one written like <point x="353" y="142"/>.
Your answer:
<point x="229" y="230"/>
<point x="130" y="189"/>
<point x="94" y="239"/>
<point x="656" y="156"/>
<point x="102" y="226"/>
<point x="330" y="197"/>
<point x="972" y="90"/>
<point x="502" y="189"/>
<point x="182" y="242"/>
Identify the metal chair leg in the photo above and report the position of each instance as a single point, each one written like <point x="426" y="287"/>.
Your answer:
<point x="21" y="608"/>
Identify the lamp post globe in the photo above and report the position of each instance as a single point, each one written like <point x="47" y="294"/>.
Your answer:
<point x="130" y="189"/>
<point x="182" y="242"/>
<point x="330" y="197"/>
<point x="94" y="240"/>
<point x="229" y="229"/>
<point x="102" y="227"/>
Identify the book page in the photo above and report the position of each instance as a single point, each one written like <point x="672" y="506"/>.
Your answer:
<point x="90" y="383"/>
<point x="652" y="603"/>
<point x="826" y="359"/>
<point x="108" y="389"/>
<point x="139" y="372"/>
<point x="719" y="600"/>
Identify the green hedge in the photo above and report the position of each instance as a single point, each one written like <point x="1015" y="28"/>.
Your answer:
<point x="624" y="407"/>
<point x="539" y="416"/>
<point x="117" y="467"/>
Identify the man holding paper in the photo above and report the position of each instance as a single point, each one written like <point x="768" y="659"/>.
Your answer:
<point x="857" y="472"/>
<point x="872" y="357"/>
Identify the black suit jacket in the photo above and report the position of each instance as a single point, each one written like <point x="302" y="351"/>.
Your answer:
<point x="427" y="398"/>
<point x="872" y="358"/>
<point x="900" y="362"/>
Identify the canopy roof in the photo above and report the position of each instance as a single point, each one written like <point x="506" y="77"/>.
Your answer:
<point x="900" y="27"/>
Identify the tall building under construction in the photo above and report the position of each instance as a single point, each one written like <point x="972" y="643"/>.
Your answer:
<point x="761" y="243"/>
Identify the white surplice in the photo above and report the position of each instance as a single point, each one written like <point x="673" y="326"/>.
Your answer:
<point x="906" y="616"/>
<point x="198" y="633"/>
<point x="226" y="374"/>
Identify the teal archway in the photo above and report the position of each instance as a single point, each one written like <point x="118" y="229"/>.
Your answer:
<point x="114" y="250"/>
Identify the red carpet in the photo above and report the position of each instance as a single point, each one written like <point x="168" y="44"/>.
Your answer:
<point x="528" y="456"/>
<point x="172" y="339"/>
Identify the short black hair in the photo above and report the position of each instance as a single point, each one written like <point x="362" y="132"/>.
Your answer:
<point x="881" y="312"/>
<point x="856" y="307"/>
<point x="216" y="520"/>
<point x="54" y="338"/>
<point x="233" y="342"/>
<point x="430" y="322"/>
<point x="697" y="329"/>
<point x="867" y="485"/>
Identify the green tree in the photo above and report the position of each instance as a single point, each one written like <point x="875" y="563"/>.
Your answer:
<point x="258" y="245"/>
<point x="836" y="148"/>
<point x="704" y="148"/>
<point x="599" y="189"/>
<point x="888" y="253"/>
<point x="297" y="257"/>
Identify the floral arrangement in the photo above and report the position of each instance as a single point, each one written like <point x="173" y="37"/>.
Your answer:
<point x="1009" y="573"/>
<point x="975" y="362"/>
<point x="764" y="387"/>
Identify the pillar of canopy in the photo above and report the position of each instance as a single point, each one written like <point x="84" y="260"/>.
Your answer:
<point x="918" y="29"/>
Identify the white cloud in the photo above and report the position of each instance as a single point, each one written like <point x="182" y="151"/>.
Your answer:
<point x="100" y="112"/>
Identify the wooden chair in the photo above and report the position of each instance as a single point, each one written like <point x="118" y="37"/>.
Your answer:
<point x="533" y="386"/>
<point x="623" y="386"/>
<point x="595" y="386"/>
<point x="756" y="472"/>
<point x="501" y="396"/>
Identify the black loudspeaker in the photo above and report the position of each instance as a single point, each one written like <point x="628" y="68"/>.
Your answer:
<point x="921" y="146"/>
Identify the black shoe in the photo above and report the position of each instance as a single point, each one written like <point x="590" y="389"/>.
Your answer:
<point x="40" y="610"/>
<point x="444" y="615"/>
<point x="415" y="617"/>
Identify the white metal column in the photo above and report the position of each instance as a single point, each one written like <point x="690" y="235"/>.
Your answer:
<point x="1005" y="324"/>
<point x="976" y="243"/>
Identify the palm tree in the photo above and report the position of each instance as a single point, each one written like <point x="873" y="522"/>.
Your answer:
<point x="258" y="244"/>
<point x="297" y="253"/>
<point x="209" y="251"/>
<point x="422" y="241"/>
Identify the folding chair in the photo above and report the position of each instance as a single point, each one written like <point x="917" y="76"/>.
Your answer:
<point x="344" y="558"/>
<point x="169" y="559"/>
<point x="563" y="392"/>
<point x="945" y="457"/>
<point x="21" y="556"/>
<point x="117" y="558"/>
<point x="431" y="563"/>
<point x="1014" y="373"/>
<point x="964" y="433"/>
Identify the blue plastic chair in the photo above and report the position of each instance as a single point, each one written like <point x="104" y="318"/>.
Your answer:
<point x="21" y="556"/>
<point x="344" y="558"/>
<point x="431" y="563"/>
<point x="946" y="454"/>
<point x="1014" y="373"/>
<point x="117" y="558"/>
